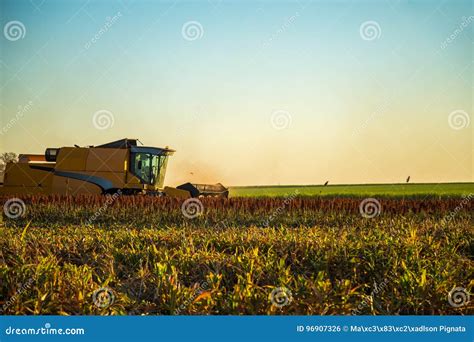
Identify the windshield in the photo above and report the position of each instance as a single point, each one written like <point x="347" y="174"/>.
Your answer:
<point x="149" y="168"/>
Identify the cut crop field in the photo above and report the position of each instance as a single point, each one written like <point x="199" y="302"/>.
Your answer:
<point x="294" y="255"/>
<point x="398" y="190"/>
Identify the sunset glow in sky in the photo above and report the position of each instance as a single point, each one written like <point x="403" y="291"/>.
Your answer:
<point x="248" y="92"/>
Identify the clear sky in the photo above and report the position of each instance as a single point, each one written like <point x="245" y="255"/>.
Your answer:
<point x="247" y="92"/>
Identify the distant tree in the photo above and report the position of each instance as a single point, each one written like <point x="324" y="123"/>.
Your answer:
<point x="7" y="157"/>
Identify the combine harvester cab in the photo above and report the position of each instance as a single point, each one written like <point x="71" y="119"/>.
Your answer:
<point x="116" y="166"/>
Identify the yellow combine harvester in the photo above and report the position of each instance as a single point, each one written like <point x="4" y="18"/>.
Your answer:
<point x="104" y="169"/>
